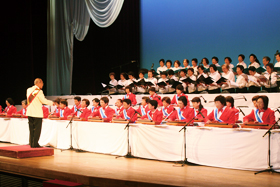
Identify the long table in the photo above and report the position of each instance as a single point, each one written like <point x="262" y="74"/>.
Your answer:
<point x="243" y="149"/>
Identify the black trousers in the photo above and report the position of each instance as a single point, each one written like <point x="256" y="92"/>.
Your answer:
<point x="241" y="90"/>
<point x="218" y="90"/>
<point x="269" y="90"/>
<point x="254" y="89"/>
<point x="231" y="90"/>
<point x="35" y="126"/>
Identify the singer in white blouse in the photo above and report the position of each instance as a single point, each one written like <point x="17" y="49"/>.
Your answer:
<point x="254" y="82"/>
<point x="228" y="62"/>
<point x="254" y="61"/>
<point x="215" y="75"/>
<point x="230" y="78"/>
<point x="162" y="67"/>
<point x="191" y="86"/>
<point x="201" y="86"/>
<point x="241" y="80"/>
<point x="277" y="64"/>
<point x="270" y="84"/>
<point x="241" y="62"/>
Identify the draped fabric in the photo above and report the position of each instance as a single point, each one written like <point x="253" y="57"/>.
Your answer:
<point x="66" y="19"/>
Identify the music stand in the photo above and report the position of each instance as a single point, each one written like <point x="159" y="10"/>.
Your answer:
<point x="269" y="169"/>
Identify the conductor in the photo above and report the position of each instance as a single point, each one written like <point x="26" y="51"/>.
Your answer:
<point x="35" y="99"/>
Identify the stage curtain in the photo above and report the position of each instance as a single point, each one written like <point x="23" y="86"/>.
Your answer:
<point x="66" y="19"/>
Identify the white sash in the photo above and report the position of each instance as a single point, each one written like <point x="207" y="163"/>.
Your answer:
<point x="23" y="111"/>
<point x="92" y="109"/>
<point x="143" y="110"/>
<point x="181" y="117"/>
<point x="116" y="111"/>
<point x="102" y="112"/>
<point x="164" y="112"/>
<point x="216" y="115"/>
<point x="148" y="114"/>
<point x="257" y="116"/>
<point x="61" y="112"/>
<point x="125" y="115"/>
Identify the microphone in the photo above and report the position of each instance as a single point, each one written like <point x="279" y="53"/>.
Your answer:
<point x="241" y="111"/>
<point x="137" y="112"/>
<point x="277" y="110"/>
<point x="203" y="99"/>
<point x="109" y="95"/>
<point x="201" y="113"/>
<point x="244" y="98"/>
<point x="79" y="110"/>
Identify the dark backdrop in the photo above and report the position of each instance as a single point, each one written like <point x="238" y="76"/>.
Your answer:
<point x="24" y="48"/>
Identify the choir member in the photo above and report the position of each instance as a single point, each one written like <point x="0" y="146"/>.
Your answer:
<point x="191" y="86"/>
<point x="10" y="109"/>
<point x="56" y="103"/>
<point x="183" y="75"/>
<point x="141" y="88"/>
<point x="228" y="62"/>
<point x="163" y="89"/>
<point x="123" y="82"/>
<point x="77" y="104"/>
<point x="254" y="61"/>
<point x="130" y="95"/>
<point x="131" y="79"/>
<point x="171" y="75"/>
<point x="63" y="111"/>
<point x="23" y="111"/>
<point x="154" y="96"/>
<point x="168" y="65"/>
<point x="277" y="64"/>
<point x="221" y="113"/>
<point x="270" y="84"/>
<point x="186" y="64"/>
<point x="205" y="63"/>
<point x="177" y="65"/>
<point x="194" y="65"/>
<point x="104" y="112"/>
<point x="265" y="60"/>
<point x="143" y="108"/>
<point x="230" y="78"/>
<point x="183" y="113"/>
<point x="201" y="86"/>
<point x="167" y="108"/>
<point x="45" y="112"/>
<point x="128" y="113"/>
<point x="153" y="114"/>
<point x="198" y="107"/>
<point x="215" y="61"/>
<point x="162" y="67"/>
<point x="230" y="105"/>
<point x="241" y="80"/>
<point x="253" y="84"/>
<point x="215" y="75"/>
<point x="119" y="107"/>
<point x="95" y="105"/>
<point x="262" y="114"/>
<point x="241" y="62"/>
<point x="152" y="79"/>
<point x="180" y="92"/>
<point x="113" y="82"/>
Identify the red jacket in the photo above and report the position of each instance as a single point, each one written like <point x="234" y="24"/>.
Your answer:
<point x="118" y="111"/>
<point x="236" y="113"/>
<point x="94" y="110"/>
<point x="10" y="110"/>
<point x="132" y="98"/>
<point x="130" y="112"/>
<point x="146" y="109"/>
<point x="268" y="117"/>
<point x="156" y="115"/>
<point x="1" y="109"/>
<point x="167" y="110"/>
<point x="186" y="113"/>
<point x="227" y="116"/>
<point x="22" y="112"/>
<point x="73" y="109"/>
<point x="174" y="100"/>
<point x="198" y="115"/>
<point x="109" y="112"/>
<point x="157" y="98"/>
<point x="45" y="112"/>
<point x="85" y="113"/>
<point x="65" y="112"/>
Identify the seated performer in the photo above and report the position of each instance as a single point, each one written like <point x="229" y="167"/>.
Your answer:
<point x="215" y="75"/>
<point x="163" y="89"/>
<point x="172" y="78"/>
<point x="63" y="111"/>
<point x="10" y="109"/>
<point x="201" y="86"/>
<point x="143" y="108"/>
<point x="56" y="103"/>
<point x="154" y="96"/>
<point x="241" y="62"/>
<point x="84" y="112"/>
<point x="176" y="65"/>
<point x="123" y="82"/>
<point x="183" y="112"/>
<point x="119" y="107"/>
<point x="253" y="84"/>
<point x="262" y="114"/>
<point x="230" y="104"/>
<point x="265" y="60"/>
<point x="221" y="113"/>
<point x="77" y="104"/>
<point x="254" y="100"/>
<point x="198" y="107"/>
<point x="254" y="61"/>
<point x="270" y="84"/>
<point x="128" y="112"/>
<point x="241" y="80"/>
<point x="179" y="91"/>
<point x="113" y="82"/>
<point x="228" y="62"/>
<point x="130" y="95"/>
<point x="215" y="61"/>
<point x="167" y="108"/>
<point x="191" y="86"/>
<point x="104" y="112"/>
<point x="153" y="114"/>
<point x="162" y="67"/>
<point x="141" y="88"/>
<point x="45" y="112"/>
<point x="186" y="64"/>
<point x="95" y="105"/>
<point x="194" y="66"/>
<point x="229" y="75"/>
<point x="183" y="75"/>
<point x="168" y="65"/>
<point x="131" y="79"/>
<point x="152" y="79"/>
<point x="23" y="111"/>
<point x="171" y="75"/>
<point x="205" y="62"/>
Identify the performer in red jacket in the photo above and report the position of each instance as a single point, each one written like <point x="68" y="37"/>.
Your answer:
<point x="143" y="108"/>
<point x="179" y="91"/>
<point x="128" y="113"/>
<point x="154" y="96"/>
<point x="167" y="108"/>
<point x="262" y="114"/>
<point x="198" y="107"/>
<point x="221" y="113"/>
<point x="63" y="111"/>
<point x="77" y="104"/>
<point x="119" y="107"/>
<point x="1" y="109"/>
<point x="153" y="114"/>
<point x="230" y="104"/>
<point x="183" y="113"/>
<point x="23" y="111"/>
<point x="45" y="112"/>
<point x="130" y="95"/>
<point x="10" y="109"/>
<point x="95" y="105"/>
<point x="84" y="112"/>
<point x="105" y="112"/>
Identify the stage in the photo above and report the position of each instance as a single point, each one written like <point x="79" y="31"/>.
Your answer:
<point x="105" y="170"/>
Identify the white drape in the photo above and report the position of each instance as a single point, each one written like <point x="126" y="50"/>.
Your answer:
<point x="66" y="19"/>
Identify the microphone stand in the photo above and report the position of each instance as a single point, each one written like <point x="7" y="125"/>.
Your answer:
<point x="70" y="123"/>
<point x="269" y="169"/>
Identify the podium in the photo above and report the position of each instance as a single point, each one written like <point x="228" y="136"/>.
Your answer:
<point x="220" y="125"/>
<point x="254" y="125"/>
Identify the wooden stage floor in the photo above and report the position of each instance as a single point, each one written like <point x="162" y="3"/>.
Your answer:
<point x="105" y="170"/>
